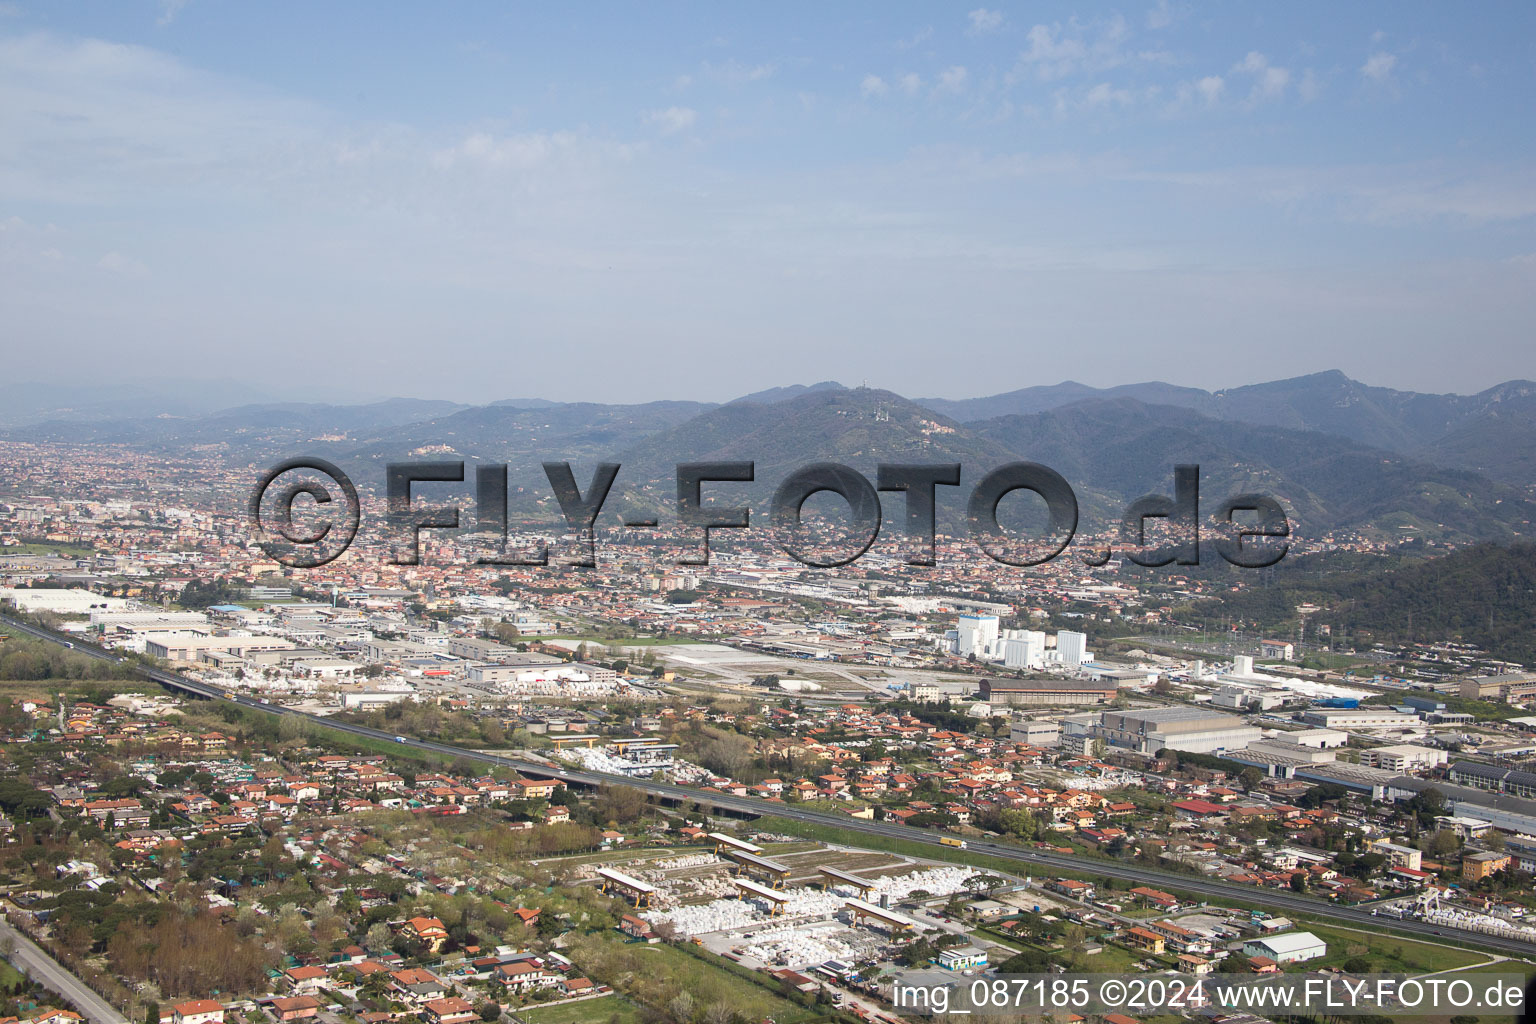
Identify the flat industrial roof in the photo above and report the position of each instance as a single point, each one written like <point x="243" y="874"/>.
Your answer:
<point x="1290" y="942"/>
<point x="880" y="912"/>
<point x="626" y="880"/>
<point x="759" y="862"/>
<point x="737" y="843"/>
<point x="760" y="890"/>
<point x="845" y="877"/>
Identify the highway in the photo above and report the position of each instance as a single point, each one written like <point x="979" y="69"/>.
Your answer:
<point x="54" y="976"/>
<point x="1025" y="859"/>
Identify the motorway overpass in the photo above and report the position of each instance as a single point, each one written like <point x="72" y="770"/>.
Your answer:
<point x="1026" y="860"/>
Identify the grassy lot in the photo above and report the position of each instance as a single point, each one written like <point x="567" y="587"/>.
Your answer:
<point x="29" y="689"/>
<point x="48" y="548"/>
<point x="656" y="974"/>
<point x="1387" y="952"/>
<point x="42" y="690"/>
<point x="608" y="1008"/>
<point x="907" y="848"/>
<point x="11" y="979"/>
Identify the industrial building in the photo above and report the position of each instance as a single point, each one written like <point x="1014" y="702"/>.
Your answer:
<point x="1290" y="948"/>
<point x="1359" y="718"/>
<point x="1023" y="648"/>
<point x="1045" y="691"/>
<point x="1072" y="648"/>
<point x="1516" y="686"/>
<point x="1034" y="732"/>
<point x="1493" y="779"/>
<point x="200" y="647"/>
<point x="976" y="636"/>
<point x="1404" y="757"/>
<point x="1174" y="728"/>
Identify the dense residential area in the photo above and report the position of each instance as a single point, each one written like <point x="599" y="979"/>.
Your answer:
<point x="749" y="790"/>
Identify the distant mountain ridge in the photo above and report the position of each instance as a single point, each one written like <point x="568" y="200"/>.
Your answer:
<point x="1492" y="432"/>
<point x="1341" y="454"/>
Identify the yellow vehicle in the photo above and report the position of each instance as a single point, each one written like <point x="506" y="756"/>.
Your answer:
<point x="958" y="844"/>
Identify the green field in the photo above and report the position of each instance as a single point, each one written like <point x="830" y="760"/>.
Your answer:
<point x="1387" y="952"/>
<point x="607" y="1009"/>
<point x="11" y="980"/>
<point x="46" y="548"/>
<point x="655" y="975"/>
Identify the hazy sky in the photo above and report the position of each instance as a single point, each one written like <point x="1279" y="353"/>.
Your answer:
<point x="478" y="201"/>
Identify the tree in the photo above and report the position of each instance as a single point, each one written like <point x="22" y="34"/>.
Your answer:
<point x="620" y="804"/>
<point x="1250" y="777"/>
<point x="1443" y="843"/>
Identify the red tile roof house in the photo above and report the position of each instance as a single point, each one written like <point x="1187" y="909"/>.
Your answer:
<point x="53" y="1017"/>
<point x="524" y="976"/>
<point x="295" y="1007"/>
<point x="1156" y="897"/>
<point x="450" y="1010"/>
<point x="429" y="930"/>
<point x="198" y="1011"/>
<point x="634" y="927"/>
<point x="306" y="979"/>
<point x="417" y="984"/>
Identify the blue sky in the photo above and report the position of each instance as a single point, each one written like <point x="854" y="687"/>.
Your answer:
<point x="629" y="202"/>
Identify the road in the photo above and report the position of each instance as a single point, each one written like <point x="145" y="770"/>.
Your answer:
<point x="26" y="955"/>
<point x="1025" y="859"/>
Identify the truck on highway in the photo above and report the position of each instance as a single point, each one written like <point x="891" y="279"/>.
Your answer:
<point x="958" y="844"/>
<point x="401" y="739"/>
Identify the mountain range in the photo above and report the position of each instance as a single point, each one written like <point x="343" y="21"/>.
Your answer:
<point x="1340" y="454"/>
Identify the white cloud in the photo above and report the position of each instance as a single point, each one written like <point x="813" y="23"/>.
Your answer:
<point x="125" y="266"/>
<point x="910" y="83"/>
<point x="873" y="85"/>
<point x="1104" y="95"/>
<point x="1269" y="82"/>
<point x="984" y="21"/>
<point x="1378" y="66"/>
<point x="1310" y="87"/>
<point x="169" y="9"/>
<point x="672" y="120"/>
<point x="534" y="150"/>
<point x="951" y="81"/>
<point x="735" y="73"/>
<point x="1059" y="50"/>
<point x="1160" y="16"/>
<point x="1210" y="88"/>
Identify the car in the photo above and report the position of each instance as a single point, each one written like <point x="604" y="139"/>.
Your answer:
<point x="401" y="739"/>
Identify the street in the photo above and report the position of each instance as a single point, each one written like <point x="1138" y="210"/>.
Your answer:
<point x="26" y="956"/>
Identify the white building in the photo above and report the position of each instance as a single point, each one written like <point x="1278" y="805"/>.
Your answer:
<point x="1359" y="718"/>
<point x="1174" y="728"/>
<point x="1023" y="648"/>
<point x="1034" y="732"/>
<point x="977" y="636"/>
<point x="60" y="602"/>
<point x="1404" y="757"/>
<point x="1290" y="948"/>
<point x="1072" y="648"/>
